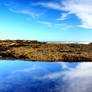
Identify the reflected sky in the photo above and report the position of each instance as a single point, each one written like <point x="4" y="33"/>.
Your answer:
<point x="24" y="76"/>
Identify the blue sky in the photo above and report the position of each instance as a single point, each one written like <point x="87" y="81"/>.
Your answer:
<point x="46" y="20"/>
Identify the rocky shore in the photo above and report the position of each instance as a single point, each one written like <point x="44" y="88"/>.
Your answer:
<point x="44" y="51"/>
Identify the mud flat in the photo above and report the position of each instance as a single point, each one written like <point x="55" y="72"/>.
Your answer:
<point x="45" y="51"/>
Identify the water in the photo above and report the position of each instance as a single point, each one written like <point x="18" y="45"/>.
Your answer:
<point x="24" y="76"/>
<point x="65" y="42"/>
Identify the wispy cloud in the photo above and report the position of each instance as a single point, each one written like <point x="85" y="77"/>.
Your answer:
<point x="64" y="65"/>
<point x="63" y="26"/>
<point x="56" y="75"/>
<point x="24" y="11"/>
<point x="51" y="5"/>
<point x="26" y="69"/>
<point x="78" y="79"/>
<point x="27" y="9"/>
<point x="81" y="8"/>
<point x="49" y="24"/>
<point x="60" y="26"/>
<point x="72" y="73"/>
<point x="64" y="16"/>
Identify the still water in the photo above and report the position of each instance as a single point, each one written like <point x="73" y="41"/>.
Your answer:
<point x="24" y="76"/>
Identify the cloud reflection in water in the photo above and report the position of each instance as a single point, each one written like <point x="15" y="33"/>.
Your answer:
<point x="45" y="76"/>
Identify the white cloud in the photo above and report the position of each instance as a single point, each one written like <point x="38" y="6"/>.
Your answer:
<point x="83" y="70"/>
<point x="81" y="8"/>
<point x="45" y="22"/>
<point x="64" y="65"/>
<point x="56" y="75"/>
<point x="64" y="16"/>
<point x="27" y="12"/>
<point x="26" y="69"/>
<point x="49" y="5"/>
<point x="49" y="24"/>
<point x="63" y="26"/>
<point x="51" y="76"/>
<point x="79" y="78"/>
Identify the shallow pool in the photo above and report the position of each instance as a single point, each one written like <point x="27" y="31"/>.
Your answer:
<point x="26" y="76"/>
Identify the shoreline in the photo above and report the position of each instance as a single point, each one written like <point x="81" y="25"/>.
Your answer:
<point x="44" y="51"/>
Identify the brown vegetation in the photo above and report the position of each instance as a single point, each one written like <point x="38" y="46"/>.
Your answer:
<point x="38" y="51"/>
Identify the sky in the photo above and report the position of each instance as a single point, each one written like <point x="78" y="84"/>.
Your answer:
<point x="46" y="20"/>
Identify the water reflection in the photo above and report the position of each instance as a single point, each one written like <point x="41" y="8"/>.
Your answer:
<point x="23" y="76"/>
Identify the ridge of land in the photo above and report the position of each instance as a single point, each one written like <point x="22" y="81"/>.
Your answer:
<point x="45" y="51"/>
